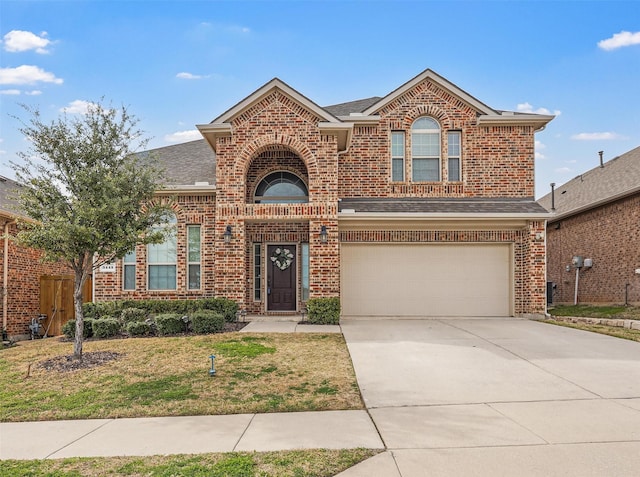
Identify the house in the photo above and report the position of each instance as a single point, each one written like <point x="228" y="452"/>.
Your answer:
<point x="418" y="203"/>
<point x="596" y="218"/>
<point x="30" y="287"/>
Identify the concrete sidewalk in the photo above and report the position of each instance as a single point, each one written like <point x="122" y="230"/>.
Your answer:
<point x="187" y="435"/>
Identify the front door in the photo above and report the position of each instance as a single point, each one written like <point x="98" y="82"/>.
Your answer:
<point x="281" y="278"/>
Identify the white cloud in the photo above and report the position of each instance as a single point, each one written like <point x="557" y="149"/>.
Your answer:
<point x="189" y="76"/>
<point x="27" y="74"/>
<point x="19" y="40"/>
<point x="528" y="108"/>
<point x="619" y="40"/>
<point x="77" y="106"/>
<point x="563" y="170"/>
<point x="10" y="92"/>
<point x="596" y="136"/>
<point x="183" y="136"/>
<point x="35" y="92"/>
<point x="539" y="146"/>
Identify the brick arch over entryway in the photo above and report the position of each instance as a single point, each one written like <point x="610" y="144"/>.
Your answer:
<point x="272" y="159"/>
<point x="263" y="143"/>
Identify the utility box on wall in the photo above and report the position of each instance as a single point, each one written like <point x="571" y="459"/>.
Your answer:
<point x="577" y="261"/>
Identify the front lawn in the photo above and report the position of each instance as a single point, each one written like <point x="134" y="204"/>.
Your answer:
<point x="304" y="463"/>
<point x="169" y="376"/>
<point x="597" y="311"/>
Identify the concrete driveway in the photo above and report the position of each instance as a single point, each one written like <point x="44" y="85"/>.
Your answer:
<point x="497" y="397"/>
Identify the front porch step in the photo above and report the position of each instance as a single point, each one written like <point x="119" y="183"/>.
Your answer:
<point x="293" y="317"/>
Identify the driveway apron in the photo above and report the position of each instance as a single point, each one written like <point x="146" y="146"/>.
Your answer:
<point x="498" y="396"/>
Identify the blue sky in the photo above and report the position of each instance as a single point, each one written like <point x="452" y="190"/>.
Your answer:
<point x="180" y="63"/>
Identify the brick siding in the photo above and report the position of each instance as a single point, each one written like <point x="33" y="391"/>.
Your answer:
<point x="610" y="235"/>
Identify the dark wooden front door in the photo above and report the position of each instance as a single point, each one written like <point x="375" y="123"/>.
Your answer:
<point x="281" y="277"/>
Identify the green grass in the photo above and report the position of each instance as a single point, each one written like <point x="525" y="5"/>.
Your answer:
<point x="304" y="463"/>
<point x="597" y="311"/>
<point x="633" y="335"/>
<point x="170" y="376"/>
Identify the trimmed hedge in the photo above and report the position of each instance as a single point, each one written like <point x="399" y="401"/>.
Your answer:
<point x="227" y="308"/>
<point x="207" y="321"/>
<point x="324" y="311"/>
<point x="130" y="315"/>
<point x="138" y="328"/>
<point x="170" y="324"/>
<point x="106" y="327"/>
<point x="69" y="328"/>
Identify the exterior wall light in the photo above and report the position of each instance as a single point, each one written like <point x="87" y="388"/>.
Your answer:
<point x="323" y="234"/>
<point x="227" y="234"/>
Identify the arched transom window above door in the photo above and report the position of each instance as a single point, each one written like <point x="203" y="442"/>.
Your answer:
<point x="281" y="187"/>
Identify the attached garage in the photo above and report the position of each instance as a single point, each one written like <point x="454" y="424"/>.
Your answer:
<point x="418" y="279"/>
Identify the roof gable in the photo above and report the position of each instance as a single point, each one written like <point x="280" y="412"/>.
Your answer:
<point x="617" y="178"/>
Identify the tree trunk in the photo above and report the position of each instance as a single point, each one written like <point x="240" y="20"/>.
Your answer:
<point x="78" y="284"/>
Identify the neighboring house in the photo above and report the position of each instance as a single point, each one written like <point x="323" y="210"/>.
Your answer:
<point x="420" y="203"/>
<point x="25" y="277"/>
<point x="596" y="216"/>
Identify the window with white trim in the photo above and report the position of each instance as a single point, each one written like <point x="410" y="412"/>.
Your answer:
<point x="162" y="260"/>
<point x="453" y="155"/>
<point x="193" y="257"/>
<point x="257" y="271"/>
<point x="304" y="247"/>
<point x="425" y="150"/>
<point x="397" y="156"/>
<point x="129" y="271"/>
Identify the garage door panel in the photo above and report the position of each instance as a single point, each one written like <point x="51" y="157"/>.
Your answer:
<point x="426" y="280"/>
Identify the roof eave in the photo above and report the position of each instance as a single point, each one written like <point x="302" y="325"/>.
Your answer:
<point x="538" y="121"/>
<point x="436" y="78"/>
<point x="343" y="132"/>
<point x="554" y="217"/>
<point x="486" y="216"/>
<point x="211" y="132"/>
<point x="195" y="189"/>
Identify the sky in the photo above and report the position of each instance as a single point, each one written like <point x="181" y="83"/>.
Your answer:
<point x="175" y="64"/>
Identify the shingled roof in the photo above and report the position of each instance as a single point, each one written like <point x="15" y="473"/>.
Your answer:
<point x="412" y="205"/>
<point x="8" y="204"/>
<point x="345" y="109"/>
<point x="187" y="163"/>
<point x="617" y="178"/>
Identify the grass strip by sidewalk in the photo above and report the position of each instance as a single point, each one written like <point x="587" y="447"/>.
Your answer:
<point x="597" y="311"/>
<point x="633" y="335"/>
<point x="169" y="376"/>
<point x="303" y="463"/>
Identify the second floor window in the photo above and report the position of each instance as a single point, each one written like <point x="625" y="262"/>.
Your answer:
<point x="425" y="150"/>
<point x="281" y="187"/>
<point x="397" y="156"/>
<point x="453" y="155"/>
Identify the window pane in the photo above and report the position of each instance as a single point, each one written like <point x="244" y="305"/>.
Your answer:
<point x="257" y="275"/>
<point x="163" y="252"/>
<point x="425" y="123"/>
<point x="162" y="277"/>
<point x="397" y="144"/>
<point x="129" y="277"/>
<point x="194" y="243"/>
<point x="453" y="139"/>
<point x="397" y="173"/>
<point x="130" y="257"/>
<point x="425" y="170"/>
<point x="425" y="144"/>
<point x="305" y="271"/>
<point x="194" y="277"/>
<point x="454" y="169"/>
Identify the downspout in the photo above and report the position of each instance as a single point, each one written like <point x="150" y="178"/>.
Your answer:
<point x="5" y="277"/>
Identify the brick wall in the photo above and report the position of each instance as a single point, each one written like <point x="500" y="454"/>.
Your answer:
<point x="610" y="235"/>
<point x="496" y="161"/>
<point x="23" y="284"/>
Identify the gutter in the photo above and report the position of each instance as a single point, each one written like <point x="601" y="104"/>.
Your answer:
<point x="439" y="216"/>
<point x="593" y="205"/>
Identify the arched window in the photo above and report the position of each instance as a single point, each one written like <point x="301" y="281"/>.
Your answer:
<point x="425" y="150"/>
<point x="281" y="187"/>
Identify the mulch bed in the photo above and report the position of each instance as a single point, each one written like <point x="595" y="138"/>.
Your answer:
<point x="68" y="363"/>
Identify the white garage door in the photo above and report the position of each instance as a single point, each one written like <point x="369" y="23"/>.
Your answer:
<point x="426" y="280"/>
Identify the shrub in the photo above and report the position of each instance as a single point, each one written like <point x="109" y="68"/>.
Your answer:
<point x="324" y="311"/>
<point x="227" y="308"/>
<point x="138" y="328"/>
<point x="207" y="321"/>
<point x="130" y="315"/>
<point x="106" y="327"/>
<point x="69" y="328"/>
<point x="170" y="323"/>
